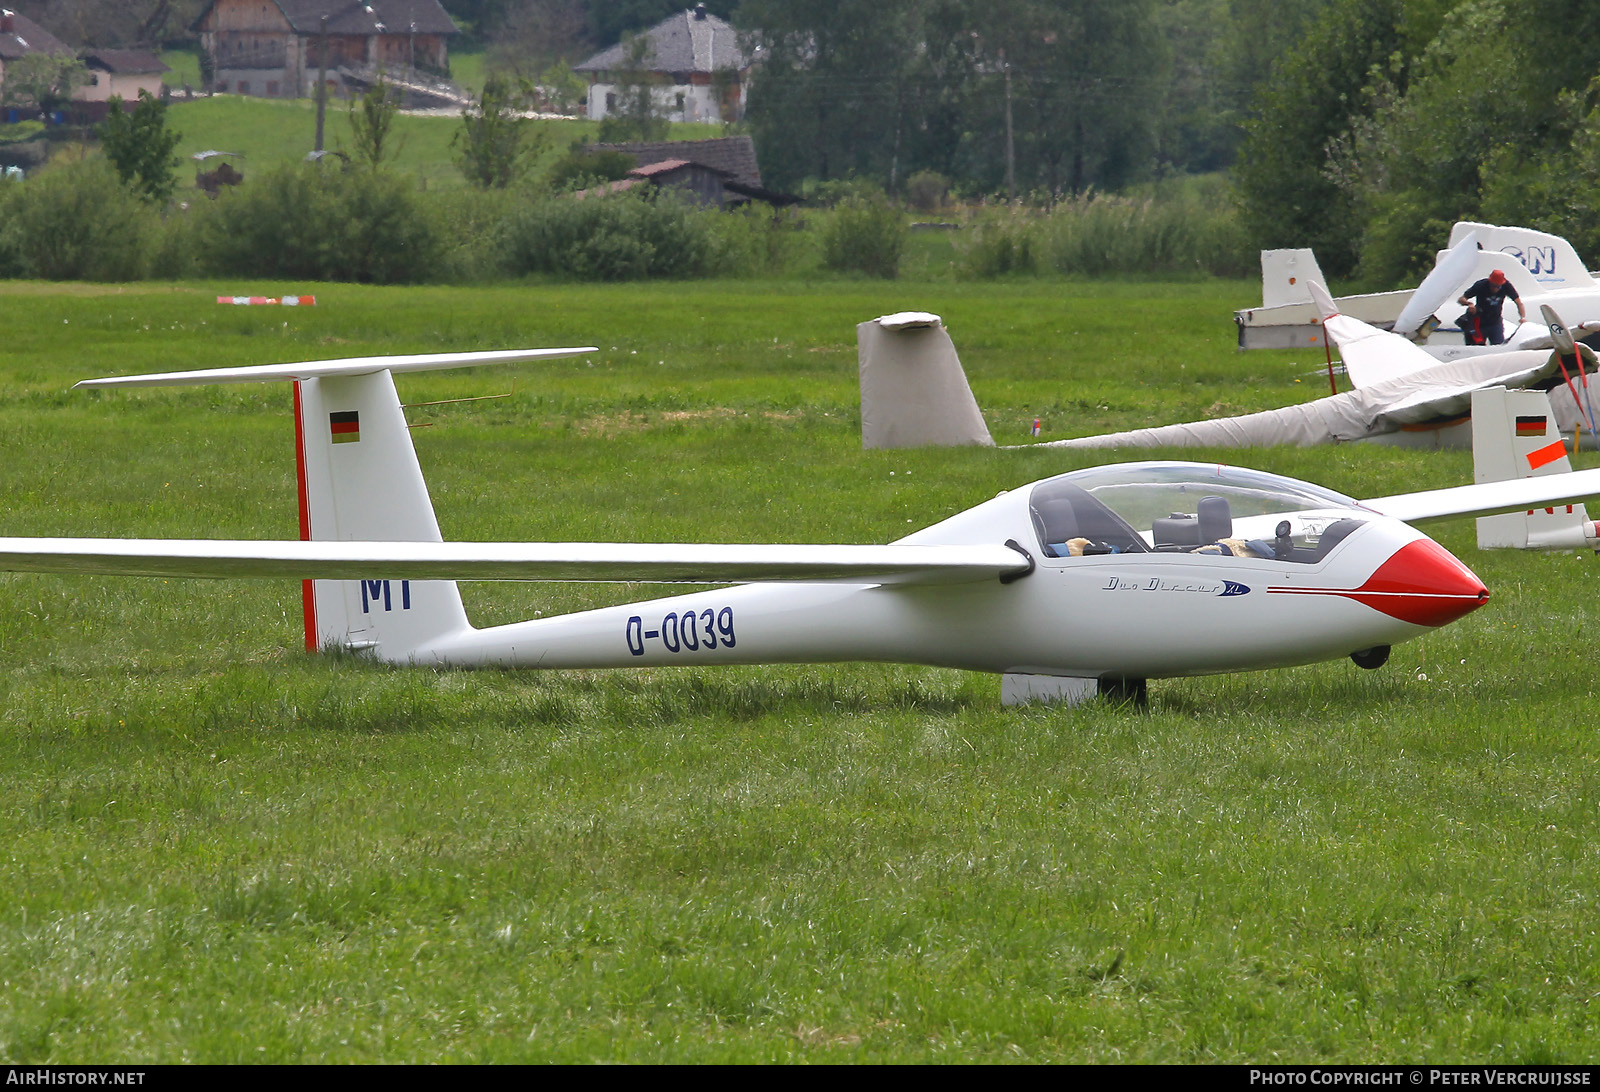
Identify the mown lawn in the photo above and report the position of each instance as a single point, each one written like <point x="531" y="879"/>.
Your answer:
<point x="221" y="849"/>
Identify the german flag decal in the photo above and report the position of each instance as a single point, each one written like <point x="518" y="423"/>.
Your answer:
<point x="346" y="427"/>
<point x="1531" y="426"/>
<point x="1547" y="454"/>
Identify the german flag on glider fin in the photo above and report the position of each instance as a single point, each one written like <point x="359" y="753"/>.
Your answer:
<point x="1547" y="454"/>
<point x="1531" y="426"/>
<point x="345" y="426"/>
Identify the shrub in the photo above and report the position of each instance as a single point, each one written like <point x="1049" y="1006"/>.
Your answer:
<point x="76" y="221"/>
<point x="579" y="169"/>
<point x="1007" y="240"/>
<point x="309" y="221"/>
<point x="1181" y="229"/>
<point x="618" y="237"/>
<point x="927" y="191"/>
<point x="864" y="234"/>
<point x="754" y="239"/>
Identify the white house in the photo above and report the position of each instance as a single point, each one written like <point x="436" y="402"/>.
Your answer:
<point x="696" y="68"/>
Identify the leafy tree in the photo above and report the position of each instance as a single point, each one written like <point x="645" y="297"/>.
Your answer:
<point x="139" y="145"/>
<point x="1493" y="113"/>
<point x="886" y="90"/>
<point x="561" y="89"/>
<point x="44" y="80"/>
<point x="372" y="123"/>
<point x="496" y="143"/>
<point x="1316" y="94"/>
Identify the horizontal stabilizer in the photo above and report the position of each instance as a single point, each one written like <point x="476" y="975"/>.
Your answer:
<point x="1488" y="498"/>
<point x="353" y="365"/>
<point x="601" y="561"/>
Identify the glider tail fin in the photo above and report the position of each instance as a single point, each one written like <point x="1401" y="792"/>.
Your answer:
<point x="1514" y="435"/>
<point x="913" y="391"/>
<point x="360" y="481"/>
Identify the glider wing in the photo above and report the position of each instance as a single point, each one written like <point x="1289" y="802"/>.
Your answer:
<point x="1488" y="498"/>
<point x="650" y="562"/>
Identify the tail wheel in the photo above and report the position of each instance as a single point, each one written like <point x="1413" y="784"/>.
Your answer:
<point x="1370" y="659"/>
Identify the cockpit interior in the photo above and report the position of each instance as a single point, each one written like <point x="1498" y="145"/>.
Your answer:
<point x="1189" y="508"/>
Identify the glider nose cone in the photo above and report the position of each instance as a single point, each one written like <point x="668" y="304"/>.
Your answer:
<point x="1423" y="583"/>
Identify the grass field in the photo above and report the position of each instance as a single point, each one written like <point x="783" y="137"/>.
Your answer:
<point x="271" y="132"/>
<point x="221" y="849"/>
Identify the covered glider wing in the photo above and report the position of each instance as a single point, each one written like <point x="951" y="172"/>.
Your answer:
<point x="653" y="562"/>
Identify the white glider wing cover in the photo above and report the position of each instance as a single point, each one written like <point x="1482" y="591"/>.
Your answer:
<point x="1370" y="355"/>
<point x="913" y="391"/>
<point x="377" y="562"/>
<point x="1439" y="392"/>
<point x="1451" y="273"/>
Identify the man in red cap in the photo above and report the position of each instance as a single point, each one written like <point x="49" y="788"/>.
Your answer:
<point x="1483" y="302"/>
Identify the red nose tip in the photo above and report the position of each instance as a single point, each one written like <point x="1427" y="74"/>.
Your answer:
<point x="1423" y="583"/>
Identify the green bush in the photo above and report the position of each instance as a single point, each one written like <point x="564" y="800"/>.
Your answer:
<point x="1007" y="240"/>
<point x="619" y="237"/>
<point x="927" y="191"/>
<point x="76" y="221"/>
<point x="864" y="234"/>
<point x="1179" y="230"/>
<point x="755" y="239"/>
<point x="315" y="222"/>
<point x="579" y="169"/>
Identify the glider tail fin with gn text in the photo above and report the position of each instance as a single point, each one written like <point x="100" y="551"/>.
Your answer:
<point x="359" y="481"/>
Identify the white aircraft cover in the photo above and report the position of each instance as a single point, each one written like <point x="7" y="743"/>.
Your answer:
<point x="685" y="563"/>
<point x="1439" y="391"/>
<point x="350" y="365"/>
<point x="913" y="391"/>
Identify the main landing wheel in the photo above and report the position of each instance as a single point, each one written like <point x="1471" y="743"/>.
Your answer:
<point x="1371" y="659"/>
<point x="1122" y="691"/>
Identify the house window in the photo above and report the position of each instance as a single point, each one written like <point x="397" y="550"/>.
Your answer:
<point x="244" y="87"/>
<point x="680" y="102"/>
<point x="272" y="89"/>
<point x="611" y="102"/>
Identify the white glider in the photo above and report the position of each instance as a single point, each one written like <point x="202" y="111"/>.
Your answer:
<point x="1091" y="581"/>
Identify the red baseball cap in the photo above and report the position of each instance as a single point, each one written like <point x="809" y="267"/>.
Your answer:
<point x="1497" y="277"/>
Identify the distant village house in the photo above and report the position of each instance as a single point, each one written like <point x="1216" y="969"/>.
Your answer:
<point x="693" y="64"/>
<point x="124" y="72"/>
<point x="273" y="48"/>
<point x="20" y="36"/>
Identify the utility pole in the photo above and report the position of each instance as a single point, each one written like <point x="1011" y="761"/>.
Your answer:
<point x="322" y="79"/>
<point x="1011" y="148"/>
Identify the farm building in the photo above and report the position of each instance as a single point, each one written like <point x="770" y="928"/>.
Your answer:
<point x="124" y="72"/>
<point x="693" y="64"/>
<point x="272" y="48"/>
<point x="20" y="36"/>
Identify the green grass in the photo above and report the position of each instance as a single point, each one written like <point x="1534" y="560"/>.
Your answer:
<point x="184" y="68"/>
<point x="221" y="849"/>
